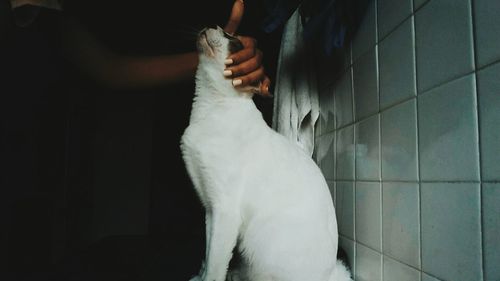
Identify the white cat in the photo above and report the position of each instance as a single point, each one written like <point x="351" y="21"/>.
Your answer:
<point x="262" y="193"/>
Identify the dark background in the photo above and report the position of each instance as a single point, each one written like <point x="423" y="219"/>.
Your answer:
<point x="92" y="184"/>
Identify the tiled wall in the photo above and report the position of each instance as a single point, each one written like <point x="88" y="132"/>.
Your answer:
<point x="409" y="141"/>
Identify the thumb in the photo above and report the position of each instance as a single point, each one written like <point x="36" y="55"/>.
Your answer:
<point x="235" y="18"/>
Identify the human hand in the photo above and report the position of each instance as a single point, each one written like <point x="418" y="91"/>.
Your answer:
<point x="245" y="66"/>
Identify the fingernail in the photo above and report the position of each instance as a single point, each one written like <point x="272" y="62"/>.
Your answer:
<point x="228" y="72"/>
<point x="228" y="61"/>
<point x="243" y="2"/>
<point x="237" y="82"/>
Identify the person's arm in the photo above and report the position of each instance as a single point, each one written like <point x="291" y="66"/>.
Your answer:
<point x="125" y="72"/>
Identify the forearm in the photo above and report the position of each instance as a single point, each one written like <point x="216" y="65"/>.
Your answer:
<point x="142" y="72"/>
<point x="112" y="70"/>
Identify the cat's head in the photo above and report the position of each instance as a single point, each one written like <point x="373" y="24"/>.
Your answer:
<point x="217" y="45"/>
<point x="214" y="46"/>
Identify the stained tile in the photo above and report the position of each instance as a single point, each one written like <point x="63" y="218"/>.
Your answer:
<point x="343" y="99"/>
<point x="368" y="149"/>
<point x="345" y="208"/>
<point x="487" y="24"/>
<point x="368" y="264"/>
<point x="368" y="214"/>
<point x="397" y="65"/>
<point x="395" y="271"/>
<point x="448" y="132"/>
<point x="325" y="153"/>
<point x="401" y="222"/>
<point x="443" y="42"/>
<point x="399" y="142"/>
<point x="489" y="110"/>
<point x="345" y="153"/>
<point x="451" y="242"/>
<point x="365" y="87"/>
<point x="366" y="35"/>
<point x="491" y="230"/>
<point x="391" y="13"/>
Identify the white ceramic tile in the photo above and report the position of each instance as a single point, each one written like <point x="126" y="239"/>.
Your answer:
<point x="489" y="109"/>
<point x="345" y="153"/>
<point x="348" y="246"/>
<point x="426" y="277"/>
<point x="368" y="214"/>
<point x="419" y="3"/>
<point x="368" y="264"/>
<point x="397" y="65"/>
<point x="451" y="242"/>
<point x="368" y="149"/>
<point x="325" y="155"/>
<point x="391" y="13"/>
<point x="443" y="42"/>
<point x="345" y="208"/>
<point x="343" y="99"/>
<point x="447" y="125"/>
<point x="395" y="271"/>
<point x="399" y="142"/>
<point x="366" y="35"/>
<point x="401" y="222"/>
<point x="487" y="24"/>
<point x="326" y="110"/>
<point x="491" y="230"/>
<point x="365" y="87"/>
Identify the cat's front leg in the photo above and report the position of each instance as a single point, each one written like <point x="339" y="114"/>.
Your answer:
<point x="224" y="226"/>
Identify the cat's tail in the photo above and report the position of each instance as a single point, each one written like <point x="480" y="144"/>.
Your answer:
<point x="340" y="272"/>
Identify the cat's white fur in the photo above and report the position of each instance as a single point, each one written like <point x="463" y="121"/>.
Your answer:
<point x="261" y="192"/>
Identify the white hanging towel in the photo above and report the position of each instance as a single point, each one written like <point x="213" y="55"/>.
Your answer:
<point x="296" y="107"/>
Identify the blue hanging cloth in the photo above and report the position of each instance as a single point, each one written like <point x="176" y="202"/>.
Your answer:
<point x="323" y="24"/>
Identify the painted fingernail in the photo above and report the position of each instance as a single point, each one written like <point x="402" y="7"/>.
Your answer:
<point x="237" y="82"/>
<point x="228" y="61"/>
<point x="228" y="72"/>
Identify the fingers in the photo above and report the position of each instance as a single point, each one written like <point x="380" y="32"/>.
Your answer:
<point x="249" y="50"/>
<point x="257" y="81"/>
<point x="235" y="17"/>
<point x="249" y="79"/>
<point x="264" y="87"/>
<point x="247" y="66"/>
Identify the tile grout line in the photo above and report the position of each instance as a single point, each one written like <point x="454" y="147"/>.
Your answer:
<point x="406" y="99"/>
<point x="478" y="137"/>
<point x="377" y="85"/>
<point x="353" y="186"/>
<point x="417" y="141"/>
